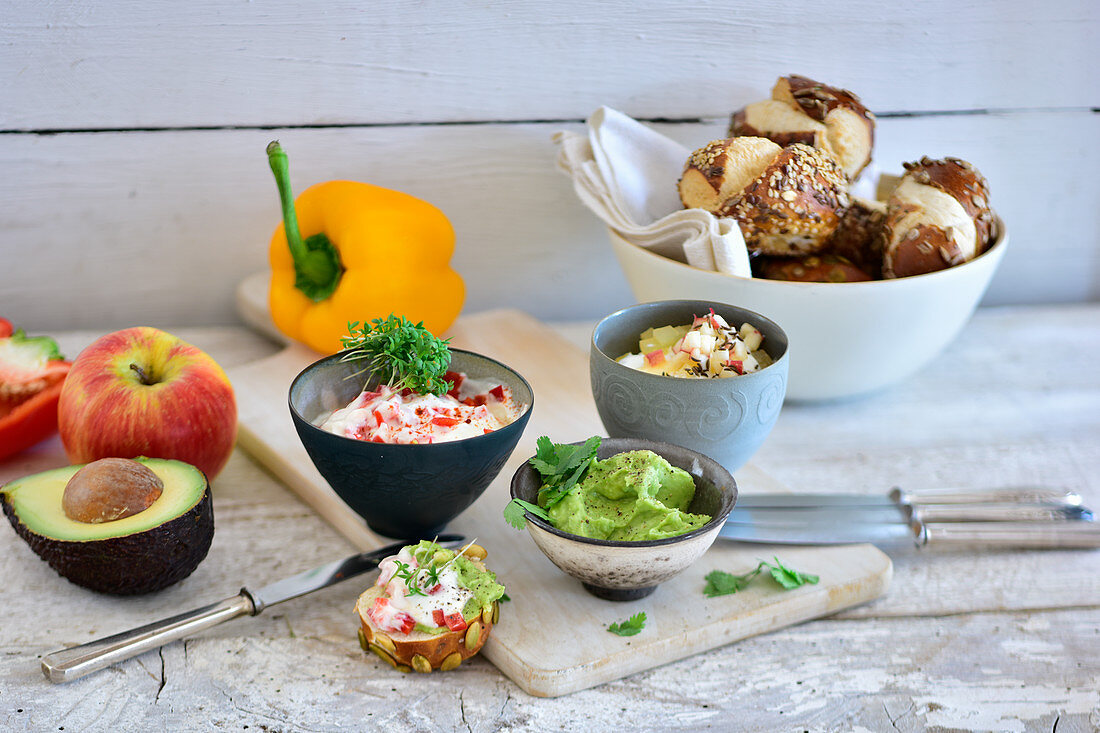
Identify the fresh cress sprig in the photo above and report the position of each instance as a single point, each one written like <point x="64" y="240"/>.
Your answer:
<point x="400" y="353"/>
<point x="721" y="583"/>
<point x="561" y="467"/>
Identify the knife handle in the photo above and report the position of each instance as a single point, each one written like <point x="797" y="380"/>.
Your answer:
<point x="1046" y="535"/>
<point x="75" y="662"/>
<point x="1005" y="512"/>
<point x="1023" y="495"/>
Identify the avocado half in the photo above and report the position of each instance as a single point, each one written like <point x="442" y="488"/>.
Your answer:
<point x="141" y="553"/>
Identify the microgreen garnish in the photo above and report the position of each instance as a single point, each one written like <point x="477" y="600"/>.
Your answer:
<point x="561" y="467"/>
<point x="721" y="583"/>
<point x="426" y="574"/>
<point x="630" y="627"/>
<point x="401" y="354"/>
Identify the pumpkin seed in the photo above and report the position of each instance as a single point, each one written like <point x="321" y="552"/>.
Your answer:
<point x="421" y="664"/>
<point x="473" y="635"/>
<point x="383" y="654"/>
<point x="385" y="642"/>
<point x="450" y="662"/>
<point x="363" y="640"/>
<point x="496" y="612"/>
<point x="475" y="552"/>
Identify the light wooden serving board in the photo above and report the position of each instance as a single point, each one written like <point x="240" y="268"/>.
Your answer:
<point x="552" y="638"/>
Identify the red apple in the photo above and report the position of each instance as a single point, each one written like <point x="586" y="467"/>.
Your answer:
<point x="144" y="392"/>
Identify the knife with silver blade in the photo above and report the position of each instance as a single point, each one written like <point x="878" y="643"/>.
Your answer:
<point x="75" y="662"/>
<point x="1023" y="517"/>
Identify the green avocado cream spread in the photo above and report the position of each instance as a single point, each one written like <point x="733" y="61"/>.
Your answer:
<point x="632" y="496"/>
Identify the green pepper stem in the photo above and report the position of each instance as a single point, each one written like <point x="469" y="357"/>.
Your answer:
<point x="317" y="265"/>
<point x="276" y="158"/>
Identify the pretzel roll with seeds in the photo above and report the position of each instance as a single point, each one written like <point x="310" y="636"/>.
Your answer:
<point x="858" y="238"/>
<point x="802" y="110"/>
<point x="937" y="217"/>
<point x="794" y="206"/>
<point x="721" y="169"/>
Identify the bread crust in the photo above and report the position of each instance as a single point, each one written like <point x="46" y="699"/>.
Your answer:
<point x="835" y="120"/>
<point x="937" y="217"/>
<point x="794" y="206"/>
<point x="721" y="169"/>
<point x="962" y="181"/>
<point x="859" y="237"/>
<point x="823" y="268"/>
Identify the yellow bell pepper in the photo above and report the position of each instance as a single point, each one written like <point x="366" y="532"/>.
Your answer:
<point x="349" y="251"/>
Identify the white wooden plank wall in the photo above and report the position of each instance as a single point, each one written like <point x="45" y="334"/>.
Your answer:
<point x="132" y="134"/>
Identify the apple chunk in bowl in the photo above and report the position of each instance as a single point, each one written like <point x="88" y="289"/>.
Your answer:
<point x="405" y="491"/>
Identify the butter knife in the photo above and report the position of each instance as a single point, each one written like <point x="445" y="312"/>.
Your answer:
<point x="69" y="664"/>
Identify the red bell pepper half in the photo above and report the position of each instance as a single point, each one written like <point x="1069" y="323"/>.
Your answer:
<point x="32" y="371"/>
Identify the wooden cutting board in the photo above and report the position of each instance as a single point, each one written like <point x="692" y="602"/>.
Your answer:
<point x="552" y="638"/>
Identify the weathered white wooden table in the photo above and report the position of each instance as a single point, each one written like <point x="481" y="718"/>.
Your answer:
<point x="1005" y="641"/>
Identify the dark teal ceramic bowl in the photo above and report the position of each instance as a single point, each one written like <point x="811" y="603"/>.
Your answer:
<point x="403" y="491"/>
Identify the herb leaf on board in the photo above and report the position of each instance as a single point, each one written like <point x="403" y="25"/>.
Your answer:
<point x="721" y="583"/>
<point x="790" y="578"/>
<point x="630" y="627"/>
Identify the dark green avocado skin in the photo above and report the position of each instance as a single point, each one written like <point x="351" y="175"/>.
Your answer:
<point x="138" y="563"/>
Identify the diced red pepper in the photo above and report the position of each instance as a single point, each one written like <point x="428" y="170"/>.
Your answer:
<point x="456" y="380"/>
<point x="434" y="589"/>
<point x="498" y="392"/>
<point x="403" y="622"/>
<point x="437" y="616"/>
<point x="377" y="439"/>
<point x="378" y="417"/>
<point x="455" y="621"/>
<point x="6" y="328"/>
<point x="444" y="421"/>
<point x="480" y="400"/>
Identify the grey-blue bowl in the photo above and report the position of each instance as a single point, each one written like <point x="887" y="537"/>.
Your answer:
<point x="727" y="419"/>
<point x="403" y="491"/>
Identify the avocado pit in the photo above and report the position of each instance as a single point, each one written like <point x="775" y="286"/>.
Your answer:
<point x="110" y="489"/>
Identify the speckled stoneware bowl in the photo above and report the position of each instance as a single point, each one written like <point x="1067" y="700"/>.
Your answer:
<point x="727" y="419"/>
<point x="625" y="571"/>
<point x="403" y="491"/>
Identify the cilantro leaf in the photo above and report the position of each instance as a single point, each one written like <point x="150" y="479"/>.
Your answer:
<point x="514" y="512"/>
<point x="630" y="627"/>
<point x="561" y="467"/>
<point x="789" y="578"/>
<point x="721" y="583"/>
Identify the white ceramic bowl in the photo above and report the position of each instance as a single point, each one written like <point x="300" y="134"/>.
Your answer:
<point x="846" y="339"/>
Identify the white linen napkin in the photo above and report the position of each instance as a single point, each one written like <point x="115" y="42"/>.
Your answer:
<point x="627" y="173"/>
